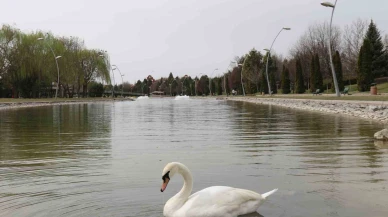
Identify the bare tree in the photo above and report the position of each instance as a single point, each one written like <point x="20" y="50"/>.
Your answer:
<point x="315" y="40"/>
<point x="352" y="40"/>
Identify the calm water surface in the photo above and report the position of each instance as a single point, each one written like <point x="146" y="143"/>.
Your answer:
<point x="105" y="159"/>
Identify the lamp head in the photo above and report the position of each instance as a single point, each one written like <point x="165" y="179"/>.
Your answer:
<point x="327" y="4"/>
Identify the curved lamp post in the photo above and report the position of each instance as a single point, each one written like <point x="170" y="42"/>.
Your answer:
<point x="122" y="81"/>
<point x="210" y="86"/>
<point x="242" y="84"/>
<point x="268" y="53"/>
<point x="56" y="62"/>
<point x="330" y="5"/>
<point x="241" y="75"/>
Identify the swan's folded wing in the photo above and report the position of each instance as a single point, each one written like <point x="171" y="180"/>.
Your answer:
<point x="220" y="200"/>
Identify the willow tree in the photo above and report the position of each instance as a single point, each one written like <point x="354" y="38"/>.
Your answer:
<point x="71" y="69"/>
<point x="8" y="53"/>
<point x="93" y="66"/>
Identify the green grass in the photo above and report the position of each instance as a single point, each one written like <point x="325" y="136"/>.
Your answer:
<point x="382" y="88"/>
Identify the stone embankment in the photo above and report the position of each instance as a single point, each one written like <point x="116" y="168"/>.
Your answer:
<point x="14" y="103"/>
<point x="372" y="110"/>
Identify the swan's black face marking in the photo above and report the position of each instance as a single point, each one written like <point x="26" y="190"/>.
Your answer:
<point x="166" y="176"/>
<point x="166" y="179"/>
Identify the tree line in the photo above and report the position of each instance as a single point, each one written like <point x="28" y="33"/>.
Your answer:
<point x="360" y="57"/>
<point x="27" y="66"/>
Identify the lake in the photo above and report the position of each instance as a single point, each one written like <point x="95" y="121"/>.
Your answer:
<point x="106" y="159"/>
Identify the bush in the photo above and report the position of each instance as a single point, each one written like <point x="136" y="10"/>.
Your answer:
<point x="95" y="89"/>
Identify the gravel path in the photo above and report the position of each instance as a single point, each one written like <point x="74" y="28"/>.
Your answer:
<point x="376" y="110"/>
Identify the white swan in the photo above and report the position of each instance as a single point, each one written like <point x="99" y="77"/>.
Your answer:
<point x="216" y="201"/>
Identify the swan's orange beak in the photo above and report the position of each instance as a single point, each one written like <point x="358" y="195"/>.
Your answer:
<point x="164" y="185"/>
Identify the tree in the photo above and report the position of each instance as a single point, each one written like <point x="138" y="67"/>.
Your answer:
<point x="203" y="85"/>
<point x="379" y="61"/>
<point x="251" y="68"/>
<point x="95" y="89"/>
<point x="313" y="72"/>
<point x="318" y="74"/>
<point x="299" y="88"/>
<point x="314" y="41"/>
<point x="93" y="66"/>
<point x="226" y="77"/>
<point x="365" y="76"/>
<point x="353" y="38"/>
<point x="263" y="83"/>
<point x="235" y="79"/>
<point x="286" y="88"/>
<point x="28" y="67"/>
<point x="219" y="86"/>
<point x="338" y="70"/>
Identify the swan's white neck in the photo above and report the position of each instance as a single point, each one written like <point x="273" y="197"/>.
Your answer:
<point x="185" y="192"/>
<point x="176" y="202"/>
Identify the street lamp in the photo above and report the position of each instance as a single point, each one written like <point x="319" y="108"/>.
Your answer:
<point x="330" y="5"/>
<point x="210" y="86"/>
<point x="122" y="81"/>
<point x="268" y="53"/>
<point x="56" y="62"/>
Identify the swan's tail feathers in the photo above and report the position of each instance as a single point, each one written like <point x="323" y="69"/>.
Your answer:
<point x="265" y="195"/>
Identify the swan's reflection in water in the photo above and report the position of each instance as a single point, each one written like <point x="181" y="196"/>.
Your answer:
<point x="381" y="144"/>
<point x="256" y="214"/>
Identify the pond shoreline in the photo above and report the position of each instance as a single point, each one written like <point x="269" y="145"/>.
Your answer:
<point x="371" y="110"/>
<point x="25" y="103"/>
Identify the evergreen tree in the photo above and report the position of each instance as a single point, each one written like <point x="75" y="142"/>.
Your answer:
<point x="364" y="70"/>
<point x="170" y="78"/>
<point x="286" y="81"/>
<point x="219" y="86"/>
<point x="379" y="61"/>
<point x="338" y="70"/>
<point x="299" y="78"/>
<point x="263" y="83"/>
<point x="318" y="74"/>
<point x="272" y="82"/>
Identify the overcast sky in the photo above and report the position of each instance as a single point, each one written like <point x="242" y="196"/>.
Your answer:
<point x="182" y="36"/>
